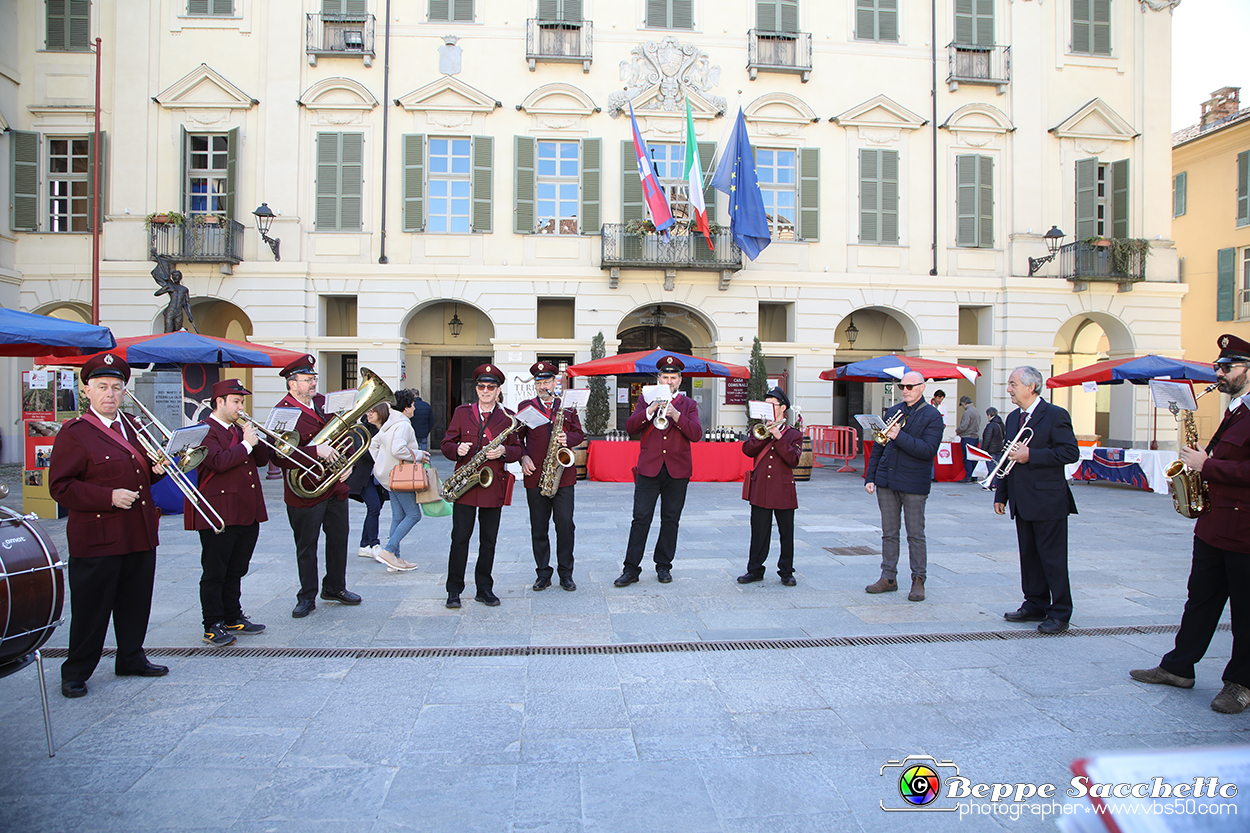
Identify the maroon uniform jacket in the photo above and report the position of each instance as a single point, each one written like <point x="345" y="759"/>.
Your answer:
<point x="671" y="446"/>
<point x="771" y="480"/>
<point x="228" y="479"/>
<point x="538" y="440"/>
<point x="89" y="461"/>
<point x="311" y="420"/>
<point x="465" y="427"/>
<point x="1227" y="474"/>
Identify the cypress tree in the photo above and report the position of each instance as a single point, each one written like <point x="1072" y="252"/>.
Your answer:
<point x="598" y="407"/>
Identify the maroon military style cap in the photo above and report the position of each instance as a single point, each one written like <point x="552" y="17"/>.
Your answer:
<point x="304" y="364"/>
<point x="1233" y="349"/>
<point x="670" y="364"/>
<point x="488" y="373"/>
<point x="228" y="386"/>
<point x="105" y="364"/>
<point x="544" y="370"/>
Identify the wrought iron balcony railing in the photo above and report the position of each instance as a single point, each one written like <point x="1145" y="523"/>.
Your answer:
<point x="197" y="242"/>
<point x="973" y="64"/>
<point x="682" y="250"/>
<point x="340" y="34"/>
<point x="1081" y="262"/>
<point x="554" y="40"/>
<point x="779" y="52"/>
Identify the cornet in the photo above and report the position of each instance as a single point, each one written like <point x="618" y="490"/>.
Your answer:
<point x="1005" y="465"/>
<point x="760" y="430"/>
<point x="899" y="419"/>
<point x="660" y="420"/>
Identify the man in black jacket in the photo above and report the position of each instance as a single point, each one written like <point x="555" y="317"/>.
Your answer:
<point x="422" y="419"/>
<point x="995" y="435"/>
<point x="899" y="474"/>
<point x="1040" y="501"/>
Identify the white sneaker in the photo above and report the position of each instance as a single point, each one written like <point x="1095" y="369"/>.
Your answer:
<point x="369" y="552"/>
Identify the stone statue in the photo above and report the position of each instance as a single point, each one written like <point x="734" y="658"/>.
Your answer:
<point x="170" y="281"/>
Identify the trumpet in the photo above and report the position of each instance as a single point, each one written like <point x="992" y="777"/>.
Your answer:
<point x="1005" y="465"/>
<point x="660" y="420"/>
<point x="761" y="429"/>
<point x="899" y="419"/>
<point x="154" y="447"/>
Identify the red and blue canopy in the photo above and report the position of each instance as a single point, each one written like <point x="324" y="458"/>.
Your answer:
<point x="892" y="367"/>
<point x="1138" y="370"/>
<point x="189" y="348"/>
<point x="28" y="334"/>
<point x="645" y="362"/>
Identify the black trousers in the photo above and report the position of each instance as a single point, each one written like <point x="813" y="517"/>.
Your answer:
<point x="116" y="586"/>
<point x="761" y="538"/>
<point x="671" y="492"/>
<point x="463" y="518"/>
<point x="225" y="557"/>
<point x="1217" y="576"/>
<point x="1044" y="567"/>
<point x="558" y="507"/>
<point x="307" y="524"/>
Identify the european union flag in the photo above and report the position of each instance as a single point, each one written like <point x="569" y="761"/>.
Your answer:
<point x="735" y="175"/>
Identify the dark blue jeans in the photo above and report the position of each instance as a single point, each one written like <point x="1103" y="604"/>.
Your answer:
<point x="372" y="495"/>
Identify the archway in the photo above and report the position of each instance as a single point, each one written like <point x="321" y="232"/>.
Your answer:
<point x="1109" y="413"/>
<point x="220" y="319"/>
<point x="862" y="334"/>
<point x="666" y="327"/>
<point x="78" y="313"/>
<point x="447" y="339"/>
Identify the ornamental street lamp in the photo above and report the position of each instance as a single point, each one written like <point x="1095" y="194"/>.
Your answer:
<point x="1053" y="238"/>
<point x="264" y="222"/>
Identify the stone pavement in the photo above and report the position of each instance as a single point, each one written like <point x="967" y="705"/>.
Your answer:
<point x="300" y="737"/>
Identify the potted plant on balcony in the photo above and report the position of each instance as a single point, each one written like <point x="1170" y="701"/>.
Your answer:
<point x="162" y="218"/>
<point x="1121" y="252"/>
<point x="640" y="227"/>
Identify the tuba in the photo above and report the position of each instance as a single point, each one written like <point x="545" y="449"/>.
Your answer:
<point x="557" y="460"/>
<point x="344" y="434"/>
<point x="1190" y="496"/>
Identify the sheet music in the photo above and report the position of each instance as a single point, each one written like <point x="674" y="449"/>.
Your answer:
<point x="657" y="393"/>
<point x="182" y="439"/>
<point x="870" y="423"/>
<point x="761" y="410"/>
<point x="282" y="420"/>
<point x="575" y="398"/>
<point x="531" y="417"/>
<point x="340" y="401"/>
<point x="1166" y="393"/>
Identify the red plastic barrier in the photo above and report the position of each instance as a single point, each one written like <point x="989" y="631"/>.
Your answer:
<point x="839" y="442"/>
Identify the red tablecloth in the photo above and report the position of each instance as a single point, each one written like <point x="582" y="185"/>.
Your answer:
<point x="947" y="472"/>
<point x="713" y="462"/>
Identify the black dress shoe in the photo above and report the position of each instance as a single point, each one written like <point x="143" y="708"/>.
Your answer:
<point x="788" y="581"/>
<point x="748" y="578"/>
<point x="72" y="689"/>
<point x="487" y="598"/>
<point x="627" y="578"/>
<point x="1023" y="615"/>
<point x="345" y="597"/>
<point x="302" y="608"/>
<point x="1052" y="626"/>
<point x="663" y="576"/>
<point x="453" y="602"/>
<point x="145" y="670"/>
<point x="542" y="584"/>
<point x="568" y="584"/>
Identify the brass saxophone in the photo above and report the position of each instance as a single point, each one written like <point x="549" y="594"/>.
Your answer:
<point x="1190" y="496"/>
<point x="474" y="472"/>
<point x="557" y="460"/>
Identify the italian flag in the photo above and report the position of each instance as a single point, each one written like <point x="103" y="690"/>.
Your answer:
<point x="694" y="179"/>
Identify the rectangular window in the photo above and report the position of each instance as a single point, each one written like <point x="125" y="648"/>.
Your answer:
<point x="68" y="25"/>
<point x="560" y="11"/>
<point x="876" y="20"/>
<point x="210" y="8"/>
<point x="1179" y="183"/>
<point x="670" y="14"/>
<point x="340" y="181"/>
<point x="974" y="22"/>
<point x="878" y="197"/>
<point x="206" y="185"/>
<point x="451" y="11"/>
<point x="1102" y="198"/>
<point x="450" y="191"/>
<point x="776" y="172"/>
<point x="1243" y="188"/>
<point x="1091" y="27"/>
<point x="558" y="183"/>
<point x="69" y="185"/>
<point x="974" y="176"/>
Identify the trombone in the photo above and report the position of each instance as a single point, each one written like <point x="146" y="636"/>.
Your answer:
<point x="175" y="469"/>
<point x="1005" y="465"/>
<point x="285" y="445"/>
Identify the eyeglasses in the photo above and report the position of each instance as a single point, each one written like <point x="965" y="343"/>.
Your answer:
<point x="909" y="387"/>
<point x="1227" y="367"/>
<point x="487" y="387"/>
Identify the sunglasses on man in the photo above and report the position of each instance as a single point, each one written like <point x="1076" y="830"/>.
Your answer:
<point x="909" y="387"/>
<point x="487" y="386"/>
<point x="1227" y="367"/>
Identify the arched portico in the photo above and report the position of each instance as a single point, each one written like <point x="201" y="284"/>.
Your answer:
<point x="1083" y="340"/>
<point x="447" y="339"/>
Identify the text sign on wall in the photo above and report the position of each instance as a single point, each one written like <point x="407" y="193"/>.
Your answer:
<point x="735" y="391"/>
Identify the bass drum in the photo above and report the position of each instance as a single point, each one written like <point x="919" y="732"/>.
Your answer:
<point x="32" y="589"/>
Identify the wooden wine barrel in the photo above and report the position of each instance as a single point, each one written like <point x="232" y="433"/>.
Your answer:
<point x="803" y="471"/>
<point x="580" y="454"/>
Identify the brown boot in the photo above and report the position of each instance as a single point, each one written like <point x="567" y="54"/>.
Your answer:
<point x="917" y="590"/>
<point x="882" y="585"/>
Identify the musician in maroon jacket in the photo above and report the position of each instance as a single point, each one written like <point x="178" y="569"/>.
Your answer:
<point x="229" y="482"/>
<point x="471" y="429"/>
<point x="100" y="473"/>
<point x="559" y="506"/>
<point x="1220" y="571"/>
<point x="310" y="516"/>
<point x="663" y="472"/>
<point x="770" y="490"/>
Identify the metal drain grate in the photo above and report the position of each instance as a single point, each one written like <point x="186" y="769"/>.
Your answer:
<point x="640" y="648"/>
<point x="860" y="550"/>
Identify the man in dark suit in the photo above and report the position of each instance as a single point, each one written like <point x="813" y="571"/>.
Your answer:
<point x="473" y="427"/>
<point x="1037" y="492"/>
<point x="102" y="475"/>
<point x="899" y="474"/>
<point x="1220" y="571"/>
<point x="310" y="516"/>
<point x="422" y="419"/>
<point x="559" y="506"/>
<point x="663" y="471"/>
<point x="769" y="488"/>
<point x="229" y="482"/>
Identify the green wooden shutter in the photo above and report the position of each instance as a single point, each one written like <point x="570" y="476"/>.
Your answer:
<point x="592" y="181"/>
<point x="766" y="16"/>
<point x="808" y="228"/>
<point x="889" y="198"/>
<point x="1225" y="284"/>
<point x="682" y="14"/>
<point x="352" y="178"/>
<point x="966" y="200"/>
<point x="68" y="25"/>
<point x="197" y="8"/>
<point x="96" y="208"/>
<point x="483" y="184"/>
<point x="985" y="202"/>
<point x="331" y="8"/>
<point x="184" y="183"/>
<point x="549" y="10"/>
<point x="657" y="14"/>
<point x="329" y="157"/>
<point x="232" y="173"/>
<point x="866" y="19"/>
<point x="440" y="10"/>
<point x="355" y="7"/>
<point x="524" y="154"/>
<point x="1243" y="188"/>
<point x="631" y="185"/>
<point x="24" y="177"/>
<point x="1082" y="34"/>
<point x="869" y="196"/>
<point x="707" y="155"/>
<point x="572" y="11"/>
<point x="789" y="16"/>
<point x="887" y="21"/>
<point x="965" y="22"/>
<point x="984" y="23"/>
<point x="1101" y="27"/>
<point x="414" y="182"/>
<point x="462" y="10"/>
<point x="1091" y="27"/>
<point x="560" y="11"/>
<point x="1178" y="194"/>
<point x="1086" y="198"/>
<point x="1119" y="199"/>
<point x="223" y="8"/>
